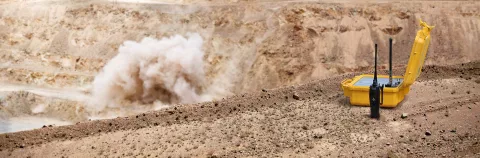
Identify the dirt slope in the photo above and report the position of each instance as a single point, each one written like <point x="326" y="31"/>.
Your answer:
<point x="445" y="103"/>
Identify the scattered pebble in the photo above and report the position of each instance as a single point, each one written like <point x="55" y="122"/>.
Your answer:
<point x="318" y="136"/>
<point x="296" y="97"/>
<point x="428" y="133"/>
<point x="404" y="115"/>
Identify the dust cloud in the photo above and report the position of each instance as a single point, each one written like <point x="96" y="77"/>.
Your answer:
<point x="151" y="74"/>
<point x="147" y="75"/>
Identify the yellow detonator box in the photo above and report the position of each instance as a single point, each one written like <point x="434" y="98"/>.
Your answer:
<point x="394" y="88"/>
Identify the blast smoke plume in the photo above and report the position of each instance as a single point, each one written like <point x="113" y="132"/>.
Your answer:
<point x="165" y="71"/>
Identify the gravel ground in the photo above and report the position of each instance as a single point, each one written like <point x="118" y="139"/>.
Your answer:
<point x="443" y="120"/>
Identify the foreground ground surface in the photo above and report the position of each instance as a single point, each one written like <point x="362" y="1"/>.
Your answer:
<point x="443" y="120"/>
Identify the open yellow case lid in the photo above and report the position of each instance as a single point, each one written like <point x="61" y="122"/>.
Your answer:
<point x="418" y="54"/>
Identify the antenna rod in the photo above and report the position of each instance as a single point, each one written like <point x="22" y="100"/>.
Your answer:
<point x="390" y="82"/>
<point x="375" y="73"/>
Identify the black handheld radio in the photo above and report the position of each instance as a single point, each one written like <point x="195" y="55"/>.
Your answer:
<point x="374" y="93"/>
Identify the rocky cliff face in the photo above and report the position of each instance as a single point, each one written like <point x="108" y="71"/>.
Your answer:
<point x="248" y="45"/>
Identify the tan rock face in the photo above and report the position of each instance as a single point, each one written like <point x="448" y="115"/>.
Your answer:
<point x="262" y="45"/>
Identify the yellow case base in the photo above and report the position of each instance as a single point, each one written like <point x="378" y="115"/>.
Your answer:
<point x="358" y="94"/>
